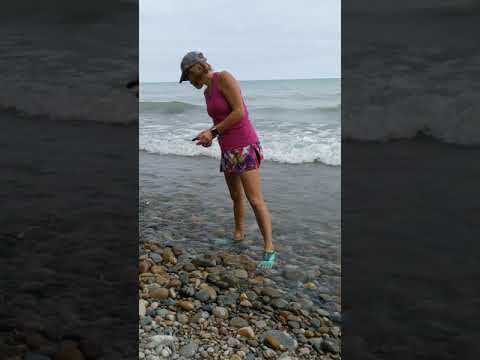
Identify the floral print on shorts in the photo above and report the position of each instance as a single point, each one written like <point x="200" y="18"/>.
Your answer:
<point x="241" y="159"/>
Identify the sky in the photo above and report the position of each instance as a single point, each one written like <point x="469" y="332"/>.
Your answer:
<point x="253" y="40"/>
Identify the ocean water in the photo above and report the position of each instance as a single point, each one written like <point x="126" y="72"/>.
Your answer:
<point x="298" y="121"/>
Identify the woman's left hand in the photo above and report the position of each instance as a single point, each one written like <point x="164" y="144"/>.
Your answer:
<point x="205" y="138"/>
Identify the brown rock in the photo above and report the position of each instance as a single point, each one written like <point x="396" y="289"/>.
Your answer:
<point x="168" y="256"/>
<point x="185" y="305"/>
<point x="175" y="283"/>
<point x="144" y="266"/>
<point x="273" y="342"/>
<point x="162" y="279"/>
<point x="159" y="293"/>
<point x="247" y="332"/>
<point x="157" y="269"/>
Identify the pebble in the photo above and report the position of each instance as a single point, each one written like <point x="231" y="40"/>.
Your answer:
<point x="159" y="293"/>
<point x="238" y="322"/>
<point x="142" y="310"/>
<point x="189" y="350"/>
<point x="275" y="337"/>
<point x="227" y="301"/>
<point x="271" y="292"/>
<point x="185" y="305"/>
<point x="246" y="303"/>
<point x="247" y="332"/>
<point x="220" y="312"/>
<point x="232" y="342"/>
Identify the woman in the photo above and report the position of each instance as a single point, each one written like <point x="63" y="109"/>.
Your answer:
<point x="239" y="144"/>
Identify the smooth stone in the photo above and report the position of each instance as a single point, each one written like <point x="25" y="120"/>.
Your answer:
<point x="316" y="323"/>
<point x="205" y="261"/>
<point x="189" y="350"/>
<point x="261" y="324"/>
<point x="202" y="295"/>
<point x="185" y="305"/>
<point x="240" y="273"/>
<point x="232" y="342"/>
<point x="271" y="292"/>
<point x="156" y="257"/>
<point x="182" y="318"/>
<point x="166" y="340"/>
<point x="168" y="256"/>
<point x="247" y="332"/>
<point x="238" y="322"/>
<point x="279" y="303"/>
<point x="273" y="342"/>
<point x="252" y="343"/>
<point x="281" y="337"/>
<point x="294" y="324"/>
<point x="246" y="303"/>
<point x="220" y="312"/>
<point x="159" y="293"/>
<point x="142" y="307"/>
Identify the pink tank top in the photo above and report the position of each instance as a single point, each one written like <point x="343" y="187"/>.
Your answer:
<point x="241" y="133"/>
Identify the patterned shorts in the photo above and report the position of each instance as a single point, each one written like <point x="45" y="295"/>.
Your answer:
<point x="241" y="159"/>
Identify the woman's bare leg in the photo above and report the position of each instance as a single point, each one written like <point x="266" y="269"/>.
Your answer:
<point x="252" y="184"/>
<point x="236" y="193"/>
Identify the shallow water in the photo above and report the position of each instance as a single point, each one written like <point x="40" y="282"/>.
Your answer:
<point x="184" y="200"/>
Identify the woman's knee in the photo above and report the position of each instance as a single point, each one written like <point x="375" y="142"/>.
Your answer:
<point x="236" y="196"/>
<point x="256" y="201"/>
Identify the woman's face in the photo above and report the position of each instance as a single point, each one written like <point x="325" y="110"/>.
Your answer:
<point x="196" y="76"/>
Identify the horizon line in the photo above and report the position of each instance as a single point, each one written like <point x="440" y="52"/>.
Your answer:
<point x="320" y="78"/>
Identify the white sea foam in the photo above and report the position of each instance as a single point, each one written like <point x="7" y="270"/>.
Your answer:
<point x="296" y="146"/>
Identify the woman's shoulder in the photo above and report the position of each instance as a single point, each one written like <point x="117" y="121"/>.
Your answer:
<point x="225" y="77"/>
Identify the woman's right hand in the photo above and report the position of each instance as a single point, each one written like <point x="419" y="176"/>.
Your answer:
<point x="208" y="144"/>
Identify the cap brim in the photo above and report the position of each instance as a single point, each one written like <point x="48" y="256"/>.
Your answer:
<point x="183" y="77"/>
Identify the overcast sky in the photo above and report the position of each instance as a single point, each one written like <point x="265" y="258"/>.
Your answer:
<point x="267" y="39"/>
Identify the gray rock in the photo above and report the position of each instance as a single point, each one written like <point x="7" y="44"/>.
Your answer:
<point x="315" y="323"/>
<point x="189" y="350"/>
<point x="279" y="303"/>
<point x="294" y="274"/>
<point x="202" y="295"/>
<point x="182" y="318"/>
<point x="271" y="292"/>
<point x="205" y="261"/>
<point x="238" y="322"/>
<point x="156" y="258"/>
<point x="220" y="312"/>
<point x="285" y="339"/>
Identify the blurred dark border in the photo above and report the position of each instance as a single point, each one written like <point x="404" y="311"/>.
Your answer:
<point x="68" y="187"/>
<point x="410" y="205"/>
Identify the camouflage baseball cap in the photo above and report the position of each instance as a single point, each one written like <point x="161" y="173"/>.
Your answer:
<point x="189" y="60"/>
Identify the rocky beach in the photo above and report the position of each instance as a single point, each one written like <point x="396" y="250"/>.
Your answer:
<point x="200" y="294"/>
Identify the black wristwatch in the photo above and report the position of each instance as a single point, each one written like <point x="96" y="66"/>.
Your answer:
<point x="214" y="131"/>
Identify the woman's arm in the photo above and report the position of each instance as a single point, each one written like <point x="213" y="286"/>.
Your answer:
<point x="231" y="90"/>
